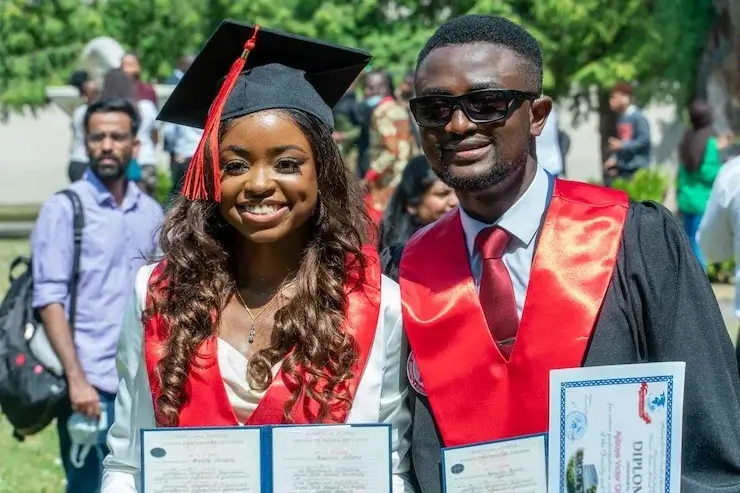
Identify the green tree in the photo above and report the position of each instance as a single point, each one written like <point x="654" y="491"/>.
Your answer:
<point x="160" y="31"/>
<point x="586" y="43"/>
<point x="38" y="41"/>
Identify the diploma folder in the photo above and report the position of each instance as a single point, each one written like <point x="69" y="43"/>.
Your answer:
<point x="481" y="459"/>
<point x="267" y="459"/>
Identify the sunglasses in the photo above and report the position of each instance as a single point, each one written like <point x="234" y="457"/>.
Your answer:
<point x="482" y="106"/>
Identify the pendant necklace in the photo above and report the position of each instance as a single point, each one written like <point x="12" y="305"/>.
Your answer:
<point x="252" y="330"/>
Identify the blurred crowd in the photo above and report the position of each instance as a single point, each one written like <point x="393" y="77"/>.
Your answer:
<point x="374" y="130"/>
<point x="380" y="142"/>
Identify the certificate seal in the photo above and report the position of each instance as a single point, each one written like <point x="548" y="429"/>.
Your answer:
<point x="158" y="452"/>
<point x="575" y="425"/>
<point x="413" y="374"/>
<point x="457" y="469"/>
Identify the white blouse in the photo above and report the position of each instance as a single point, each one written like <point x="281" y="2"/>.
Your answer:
<point x="380" y="397"/>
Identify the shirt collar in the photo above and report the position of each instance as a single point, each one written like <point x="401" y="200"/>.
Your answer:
<point x="522" y="220"/>
<point x="631" y="109"/>
<point x="104" y="197"/>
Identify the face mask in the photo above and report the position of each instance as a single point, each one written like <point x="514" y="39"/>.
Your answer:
<point x="86" y="434"/>
<point x="373" y="101"/>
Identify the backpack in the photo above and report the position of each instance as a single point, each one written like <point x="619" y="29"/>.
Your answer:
<point x="33" y="388"/>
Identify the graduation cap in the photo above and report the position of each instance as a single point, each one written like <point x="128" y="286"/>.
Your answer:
<point x="263" y="69"/>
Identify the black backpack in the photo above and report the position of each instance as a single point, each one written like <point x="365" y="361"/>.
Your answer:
<point x="32" y="385"/>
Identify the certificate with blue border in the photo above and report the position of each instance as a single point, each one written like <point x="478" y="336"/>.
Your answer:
<point x="267" y="459"/>
<point x="517" y="465"/>
<point x="616" y="428"/>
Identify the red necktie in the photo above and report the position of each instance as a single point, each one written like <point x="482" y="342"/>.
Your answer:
<point x="496" y="290"/>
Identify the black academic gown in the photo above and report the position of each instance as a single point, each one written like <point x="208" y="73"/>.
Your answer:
<point x="659" y="307"/>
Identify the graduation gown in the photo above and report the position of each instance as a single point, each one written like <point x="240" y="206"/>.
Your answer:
<point x="657" y="305"/>
<point x="219" y="395"/>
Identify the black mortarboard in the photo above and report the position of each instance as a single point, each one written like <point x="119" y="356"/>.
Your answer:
<point x="282" y="71"/>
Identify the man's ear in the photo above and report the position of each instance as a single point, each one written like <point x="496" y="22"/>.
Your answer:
<point x="541" y="108"/>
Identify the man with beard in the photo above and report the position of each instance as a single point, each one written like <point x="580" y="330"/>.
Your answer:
<point x="121" y="223"/>
<point x="531" y="273"/>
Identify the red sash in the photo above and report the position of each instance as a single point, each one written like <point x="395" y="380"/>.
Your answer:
<point x="208" y="404"/>
<point x="475" y="395"/>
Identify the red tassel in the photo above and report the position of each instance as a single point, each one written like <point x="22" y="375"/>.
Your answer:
<point x="194" y="187"/>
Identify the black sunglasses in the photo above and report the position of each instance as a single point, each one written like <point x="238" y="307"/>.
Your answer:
<point x="482" y="106"/>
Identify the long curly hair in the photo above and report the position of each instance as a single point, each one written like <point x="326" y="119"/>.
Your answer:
<point x="198" y="281"/>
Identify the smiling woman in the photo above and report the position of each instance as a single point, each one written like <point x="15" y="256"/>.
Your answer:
<point x="270" y="188"/>
<point x="268" y="306"/>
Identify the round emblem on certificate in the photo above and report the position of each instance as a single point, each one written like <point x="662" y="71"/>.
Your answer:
<point x="575" y="425"/>
<point x="158" y="452"/>
<point x="412" y="372"/>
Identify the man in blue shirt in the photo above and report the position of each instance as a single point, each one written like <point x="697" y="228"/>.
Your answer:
<point x="120" y="235"/>
<point x="631" y="148"/>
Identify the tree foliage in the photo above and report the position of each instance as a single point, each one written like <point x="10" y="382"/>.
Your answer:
<point x="586" y="43"/>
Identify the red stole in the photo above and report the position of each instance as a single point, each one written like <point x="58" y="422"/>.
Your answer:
<point x="207" y="403"/>
<point x="474" y="394"/>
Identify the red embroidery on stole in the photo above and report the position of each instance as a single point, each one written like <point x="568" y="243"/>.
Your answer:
<point x="208" y="404"/>
<point x="475" y="395"/>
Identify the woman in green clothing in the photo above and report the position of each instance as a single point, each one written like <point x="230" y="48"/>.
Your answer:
<point x="699" y="156"/>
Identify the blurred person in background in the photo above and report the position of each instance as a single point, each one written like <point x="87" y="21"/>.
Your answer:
<point x="631" y="147"/>
<point x="719" y="230"/>
<point x="392" y="142"/>
<point x="699" y="163"/>
<point x="348" y="120"/>
<point x="118" y="236"/>
<point x="731" y="147"/>
<point x="143" y="168"/>
<point x="180" y="141"/>
<point x="89" y="91"/>
<point x="420" y="199"/>
<point x="549" y="154"/>
<point x="405" y="93"/>
<point x="182" y="66"/>
<point x="131" y="65"/>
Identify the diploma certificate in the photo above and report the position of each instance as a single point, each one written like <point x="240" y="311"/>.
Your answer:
<point x="518" y="465"/>
<point x="201" y="460"/>
<point x="331" y="459"/>
<point x="616" y="428"/>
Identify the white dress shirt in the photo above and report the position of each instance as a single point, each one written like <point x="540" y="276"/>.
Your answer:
<point x="522" y="221"/>
<point x="719" y="231"/>
<point x="380" y="397"/>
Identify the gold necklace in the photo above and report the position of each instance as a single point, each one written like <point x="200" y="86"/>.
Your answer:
<point x="252" y="331"/>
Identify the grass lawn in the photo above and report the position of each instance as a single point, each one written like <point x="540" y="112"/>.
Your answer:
<point x="32" y="466"/>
